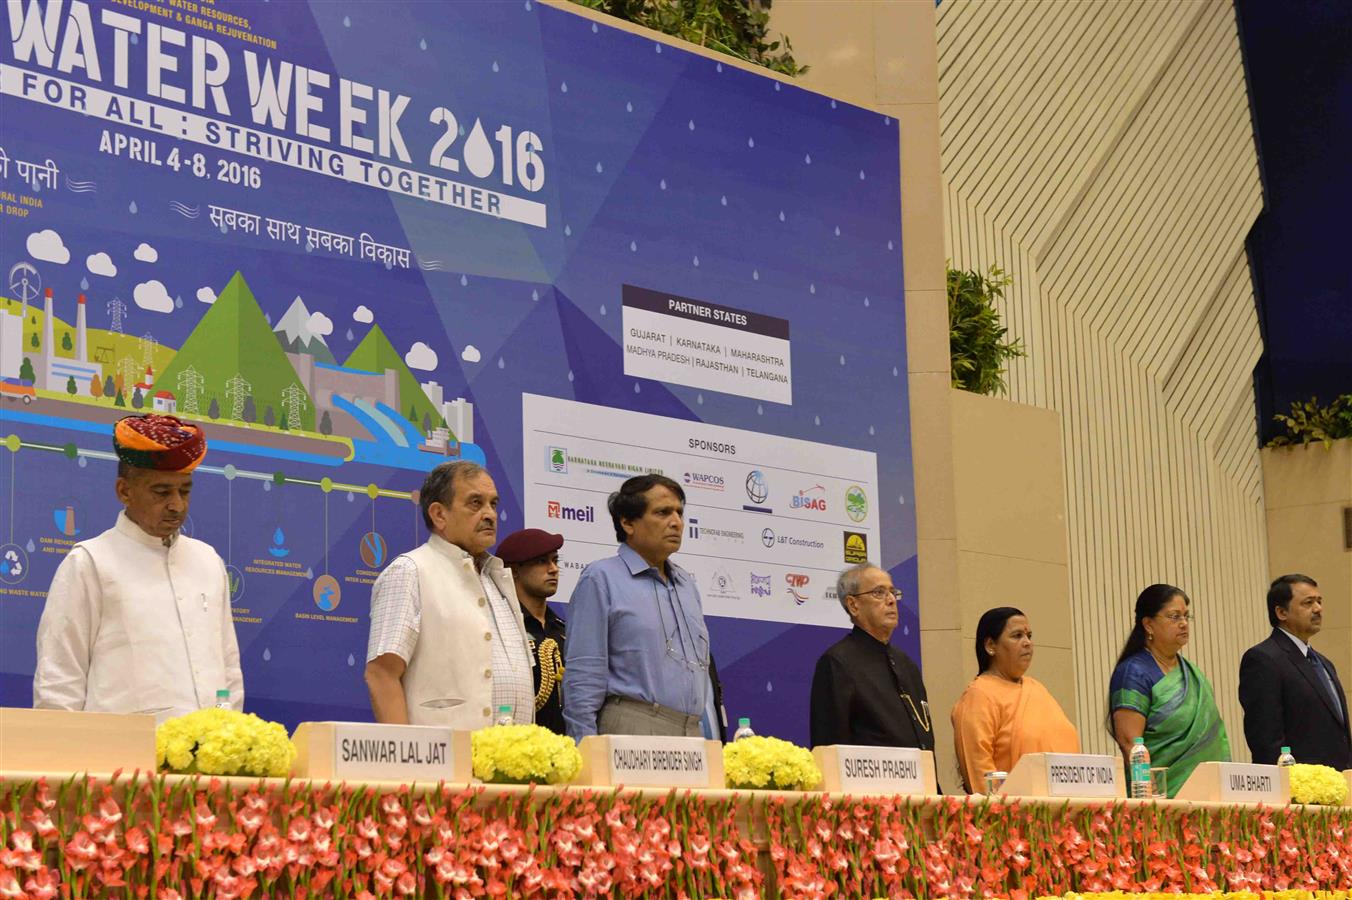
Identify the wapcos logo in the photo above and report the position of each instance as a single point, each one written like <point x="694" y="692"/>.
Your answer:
<point x="704" y="481"/>
<point x="856" y="547"/>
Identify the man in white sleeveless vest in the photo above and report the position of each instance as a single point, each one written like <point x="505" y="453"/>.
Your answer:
<point x="138" y="619"/>
<point x="448" y="645"/>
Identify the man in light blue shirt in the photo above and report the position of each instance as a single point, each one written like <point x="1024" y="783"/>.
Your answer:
<point x="638" y="648"/>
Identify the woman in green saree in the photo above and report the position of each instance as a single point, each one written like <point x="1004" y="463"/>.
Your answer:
<point x="1158" y="694"/>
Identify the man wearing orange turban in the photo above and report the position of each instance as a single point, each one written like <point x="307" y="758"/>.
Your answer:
<point x="138" y="619"/>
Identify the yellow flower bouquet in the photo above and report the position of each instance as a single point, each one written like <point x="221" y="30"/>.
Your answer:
<point x="224" y="742"/>
<point x="1320" y="785"/>
<point x="521" y="754"/>
<point x="769" y="763"/>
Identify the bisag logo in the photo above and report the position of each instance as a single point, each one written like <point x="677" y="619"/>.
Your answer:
<point x="760" y="585"/>
<point x="856" y="547"/>
<point x="556" y="510"/>
<point x="813" y="498"/>
<point x="797" y="583"/>
<point x="856" y="503"/>
<point x="704" y="481"/>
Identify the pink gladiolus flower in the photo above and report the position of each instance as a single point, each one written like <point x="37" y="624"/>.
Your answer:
<point x="81" y="850"/>
<point x="42" y="885"/>
<point x="137" y="841"/>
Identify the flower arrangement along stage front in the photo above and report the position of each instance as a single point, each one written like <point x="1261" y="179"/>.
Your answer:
<point x="522" y="754"/>
<point x="223" y="742"/>
<point x="1318" y="785"/>
<point x="178" y="836"/>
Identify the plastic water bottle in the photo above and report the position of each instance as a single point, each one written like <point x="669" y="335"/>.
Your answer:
<point x="1140" y="769"/>
<point x="223" y="699"/>
<point x="1286" y="759"/>
<point x="504" y="716"/>
<point x="743" y="729"/>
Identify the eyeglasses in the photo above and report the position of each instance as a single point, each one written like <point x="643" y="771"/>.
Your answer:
<point x="1178" y="617"/>
<point x="881" y="593"/>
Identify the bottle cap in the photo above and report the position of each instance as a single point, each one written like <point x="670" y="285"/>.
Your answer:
<point x="1139" y="740"/>
<point x="504" y="708"/>
<point x="743" y="722"/>
<point x="1286" y="749"/>
<point x="223" y="694"/>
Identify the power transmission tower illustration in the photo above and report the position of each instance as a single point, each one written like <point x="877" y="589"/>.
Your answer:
<point x="130" y="371"/>
<point x="116" y="310"/>
<point x="294" y="398"/>
<point x="190" y="384"/>
<point x="237" y="390"/>
<point x="147" y="348"/>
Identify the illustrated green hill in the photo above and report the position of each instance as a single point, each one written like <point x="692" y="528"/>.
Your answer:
<point x="375" y="353"/>
<point x="234" y="338"/>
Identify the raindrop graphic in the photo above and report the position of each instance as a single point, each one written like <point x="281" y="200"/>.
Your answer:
<point x="760" y="410"/>
<point x="633" y="246"/>
<point x="718" y="67"/>
<point x="816" y="420"/>
<point x="628" y="107"/>
<point x="723" y="199"/>
<point x="136" y="39"/>
<point x="278" y="536"/>
<point x="837" y="231"/>
<point x="637" y="389"/>
<point x="535" y="295"/>
<point x="528" y="6"/>
<point x="82" y="462"/>
<point x="267" y="654"/>
<point x="833" y="104"/>
<point x="349" y="334"/>
<point x="755" y="274"/>
<point x="564" y="87"/>
<point x="30" y="546"/>
<point x="812" y="288"/>
<point x="464" y="281"/>
<point x="603" y="309"/>
<point x="692" y="125"/>
<point x="906" y="629"/>
<point x="776" y="87"/>
<point x="696" y="261"/>
<point x="699" y="398"/>
<point x="871" y="431"/>
<point x="351" y="497"/>
<point x="663" y="184"/>
<point x="495" y="66"/>
<point x="658" y="47"/>
<point x="769" y="688"/>
<point x="178" y="302"/>
<point x="502" y="516"/>
<point x="861" y="174"/>
<point x="865" y="303"/>
<point x="502" y="363"/>
<point x="889" y="245"/>
<point x="751" y="142"/>
<point x="594" y="28"/>
<point x="461" y="129"/>
<point x="901" y="500"/>
<point x="568" y="231"/>
<point x="84" y="284"/>
<point x="347" y="21"/>
<point x="351" y="660"/>
<point x="894" y="371"/>
<point x="599" y="169"/>
<point x="478" y="152"/>
<point x="422" y="43"/>
<point x="267" y="485"/>
<point x="781" y="215"/>
<point x="807" y="158"/>
<point x="887" y="120"/>
<point x="842" y="359"/>
<point x="570" y="374"/>
<point x="131" y="208"/>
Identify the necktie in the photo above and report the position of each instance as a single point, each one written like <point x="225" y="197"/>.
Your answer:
<point x="1323" y="675"/>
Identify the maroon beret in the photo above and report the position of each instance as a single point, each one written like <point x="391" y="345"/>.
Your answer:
<point x="527" y="544"/>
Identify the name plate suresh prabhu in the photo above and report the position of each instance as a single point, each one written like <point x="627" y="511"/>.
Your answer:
<point x="876" y="770"/>
<point x="358" y="751"/>
<point x="651" y="761"/>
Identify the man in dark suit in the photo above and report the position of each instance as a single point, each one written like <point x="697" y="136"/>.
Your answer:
<point x="1291" y="695"/>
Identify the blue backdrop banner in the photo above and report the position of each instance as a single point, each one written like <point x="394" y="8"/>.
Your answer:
<point x="357" y="239"/>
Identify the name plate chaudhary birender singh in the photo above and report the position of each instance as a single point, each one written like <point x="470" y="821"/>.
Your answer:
<point x="890" y="770"/>
<point x="392" y="752"/>
<point x="1245" y="783"/>
<point x="659" y="761"/>
<point x="1081" y="775"/>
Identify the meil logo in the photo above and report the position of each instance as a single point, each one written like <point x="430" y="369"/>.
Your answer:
<point x="556" y="510"/>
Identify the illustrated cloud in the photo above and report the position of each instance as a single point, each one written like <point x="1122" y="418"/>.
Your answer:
<point x="362" y="314"/>
<point x="101" y="264"/>
<point x="146" y="253"/>
<point x="46" y="245"/>
<point x="471" y="354"/>
<point x="421" y="356"/>
<point x="206" y="294"/>
<point x="151" y="295"/>
<point x="320" y="324"/>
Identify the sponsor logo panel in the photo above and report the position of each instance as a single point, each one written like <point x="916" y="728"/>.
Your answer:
<point x="856" y="547"/>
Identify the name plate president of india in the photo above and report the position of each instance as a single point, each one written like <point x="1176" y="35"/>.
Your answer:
<point x="138" y="618"/>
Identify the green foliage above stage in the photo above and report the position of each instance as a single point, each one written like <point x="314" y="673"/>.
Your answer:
<point x="977" y="347"/>
<point x="235" y="353"/>
<point x="375" y="353"/>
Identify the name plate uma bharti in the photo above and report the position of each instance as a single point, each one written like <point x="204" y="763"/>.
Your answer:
<point x="1241" y="782"/>
<point x="355" y="751"/>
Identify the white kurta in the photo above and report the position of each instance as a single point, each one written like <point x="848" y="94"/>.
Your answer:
<point x="132" y="625"/>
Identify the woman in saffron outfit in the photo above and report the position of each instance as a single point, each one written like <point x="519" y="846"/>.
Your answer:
<point x="1005" y="712"/>
<point x="1158" y="694"/>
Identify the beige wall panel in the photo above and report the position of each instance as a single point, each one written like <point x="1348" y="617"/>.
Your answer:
<point x="932" y="456"/>
<point x="946" y="674"/>
<point x="922" y="199"/>
<point x="938" y="575"/>
<point x="1299" y="476"/>
<point x="927" y="331"/>
<point x="905" y="56"/>
<point x="1008" y="483"/>
<point x="1054" y="667"/>
<point x="836" y="41"/>
<point x="1040" y="589"/>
